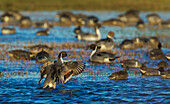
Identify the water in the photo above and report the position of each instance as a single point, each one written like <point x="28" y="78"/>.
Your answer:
<point x="91" y="86"/>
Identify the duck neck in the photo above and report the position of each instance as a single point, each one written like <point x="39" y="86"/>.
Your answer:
<point x="136" y="63"/>
<point x="93" y="52"/>
<point x="98" y="32"/>
<point x="109" y="37"/>
<point x="60" y="60"/>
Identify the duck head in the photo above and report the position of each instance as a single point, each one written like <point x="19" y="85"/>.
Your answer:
<point x="62" y="54"/>
<point x="111" y="34"/>
<point x="77" y="30"/>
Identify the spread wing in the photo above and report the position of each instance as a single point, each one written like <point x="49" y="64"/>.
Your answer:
<point x="76" y="67"/>
<point x="61" y="74"/>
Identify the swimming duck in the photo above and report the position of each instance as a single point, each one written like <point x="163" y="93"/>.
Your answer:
<point x="80" y="19"/>
<point x="42" y="57"/>
<point x="127" y="45"/>
<point x="153" y="43"/>
<point x="25" y="22"/>
<point x="8" y="31"/>
<point x="157" y="54"/>
<point x="11" y="16"/>
<point x="133" y="12"/>
<point x="154" y="19"/>
<point x="120" y="75"/>
<point x="16" y="14"/>
<point x="140" y="42"/>
<point x="61" y="72"/>
<point x="108" y="43"/>
<point x="165" y="24"/>
<point x="140" y="25"/>
<point x="163" y="64"/>
<point x="21" y="55"/>
<point x="151" y="71"/>
<point x="130" y="18"/>
<point x="43" y="24"/>
<point x="38" y="48"/>
<point x="90" y="21"/>
<point x="166" y="74"/>
<point x="101" y="57"/>
<point x="7" y="18"/>
<point x="131" y="63"/>
<point x="89" y="36"/>
<point x="66" y="16"/>
<point x="43" y="32"/>
<point x="113" y="22"/>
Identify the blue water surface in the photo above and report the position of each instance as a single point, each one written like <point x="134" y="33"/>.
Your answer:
<point x="91" y="86"/>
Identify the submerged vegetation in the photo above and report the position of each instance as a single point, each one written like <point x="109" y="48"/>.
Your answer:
<point x="120" y="5"/>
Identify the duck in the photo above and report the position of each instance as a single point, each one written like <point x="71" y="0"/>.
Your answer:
<point x="154" y="19"/>
<point x="25" y="22"/>
<point x="127" y="45"/>
<point x="113" y="22"/>
<point x="7" y="18"/>
<point x="166" y="74"/>
<point x="163" y="64"/>
<point x="80" y="19"/>
<point x="145" y="71"/>
<point x="42" y="24"/>
<point x="157" y="54"/>
<point x="154" y="43"/>
<point x="15" y="13"/>
<point x="42" y="57"/>
<point x="140" y="25"/>
<point x="108" y="43"/>
<point x="11" y="17"/>
<point x="89" y="36"/>
<point x="21" y="55"/>
<point x="164" y="24"/>
<point x="45" y="67"/>
<point x="130" y="17"/>
<point x="140" y="42"/>
<point x="43" y="32"/>
<point x="40" y="47"/>
<point x="131" y="63"/>
<point x="60" y="71"/>
<point x="8" y="31"/>
<point x="90" y="21"/>
<point x="133" y="12"/>
<point x="66" y="16"/>
<point x="120" y="75"/>
<point x="101" y="57"/>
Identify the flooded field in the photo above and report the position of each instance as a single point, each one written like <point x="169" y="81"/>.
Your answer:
<point x="18" y="78"/>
